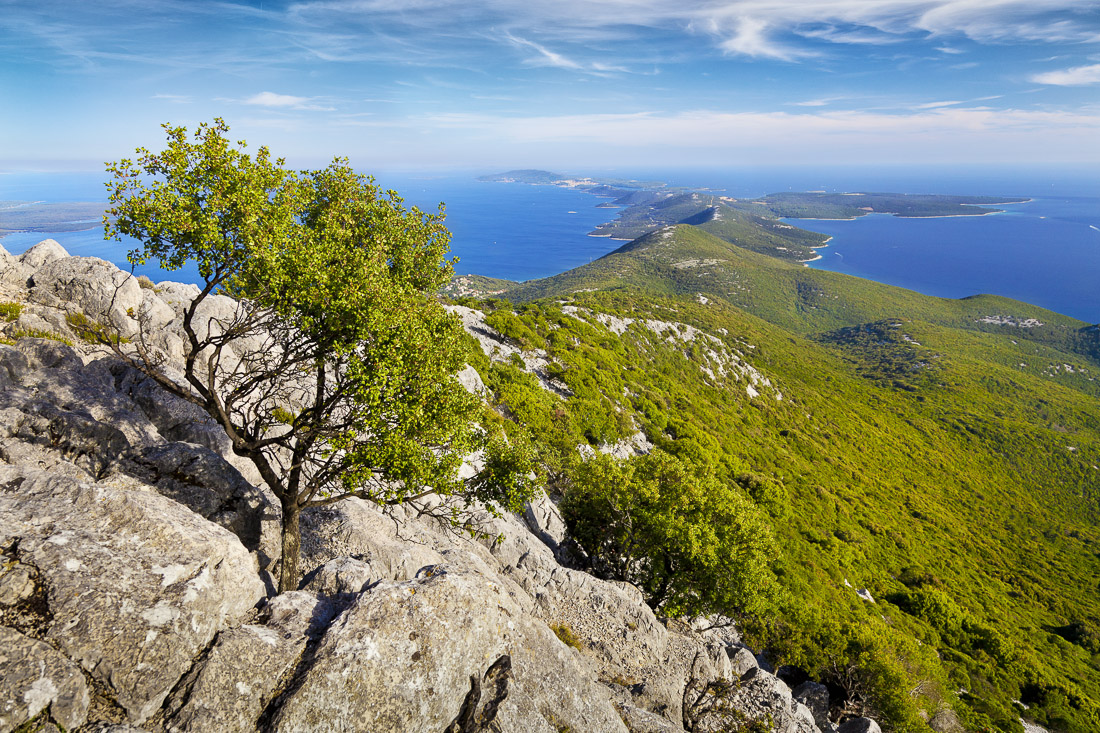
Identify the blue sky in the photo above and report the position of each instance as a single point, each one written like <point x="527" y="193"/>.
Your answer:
<point x="565" y="84"/>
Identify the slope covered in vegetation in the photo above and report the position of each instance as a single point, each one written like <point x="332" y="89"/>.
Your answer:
<point x="941" y="456"/>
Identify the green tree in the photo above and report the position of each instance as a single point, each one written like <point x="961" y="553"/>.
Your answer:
<point x="692" y="543"/>
<point x="333" y="371"/>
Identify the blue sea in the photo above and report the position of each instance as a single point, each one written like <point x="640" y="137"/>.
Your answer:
<point x="1046" y="251"/>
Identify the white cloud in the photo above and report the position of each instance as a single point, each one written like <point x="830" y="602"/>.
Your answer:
<point x="543" y="56"/>
<point x="755" y="28"/>
<point x="1076" y="76"/>
<point x="285" y="101"/>
<point x="751" y="38"/>
<point x="937" y="105"/>
<point x="546" y="57"/>
<point x="173" y="98"/>
<point x="951" y="134"/>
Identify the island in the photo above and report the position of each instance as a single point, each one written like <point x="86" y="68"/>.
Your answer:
<point x="756" y="224"/>
<point x="39" y="216"/>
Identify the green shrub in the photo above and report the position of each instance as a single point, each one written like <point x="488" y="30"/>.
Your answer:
<point x="567" y="636"/>
<point x="92" y="331"/>
<point x="35" y="333"/>
<point x="693" y="544"/>
<point x="768" y="493"/>
<point x="10" y="311"/>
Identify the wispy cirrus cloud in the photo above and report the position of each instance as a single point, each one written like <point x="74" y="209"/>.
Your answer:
<point x="934" y="134"/>
<point x="1075" y="76"/>
<point x="938" y="105"/>
<point x="543" y="56"/>
<point x="173" y="98"/>
<point x="285" y="101"/>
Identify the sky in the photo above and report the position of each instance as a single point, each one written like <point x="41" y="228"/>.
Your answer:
<point x="558" y="84"/>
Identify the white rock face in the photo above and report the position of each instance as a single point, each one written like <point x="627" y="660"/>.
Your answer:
<point x="112" y="611"/>
<point x="90" y="286"/>
<point x="498" y="349"/>
<point x="34" y="677"/>
<point x="46" y="251"/>
<point x="406" y="656"/>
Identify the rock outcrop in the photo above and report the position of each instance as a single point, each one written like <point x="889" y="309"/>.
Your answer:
<point x="135" y="590"/>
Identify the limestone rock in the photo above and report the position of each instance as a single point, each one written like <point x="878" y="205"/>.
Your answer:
<point x="344" y="576"/>
<point x="742" y="661"/>
<point x="90" y="286"/>
<point x="471" y="381"/>
<point x="137" y="584"/>
<point x="203" y="481"/>
<point x="544" y="519"/>
<point x="177" y="419"/>
<point x="56" y="374"/>
<point x="46" y="251"/>
<point x="13" y="273"/>
<point x="638" y="720"/>
<point x="34" y="677"/>
<point x="410" y="656"/>
<point x="762" y="695"/>
<point x="815" y="696"/>
<point x="353" y="528"/>
<point x="859" y="725"/>
<point x="946" y="721"/>
<point x="229" y="688"/>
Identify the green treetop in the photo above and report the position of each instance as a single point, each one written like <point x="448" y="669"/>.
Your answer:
<point x="334" y="371"/>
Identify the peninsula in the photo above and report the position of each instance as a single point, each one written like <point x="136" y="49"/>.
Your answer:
<point x="752" y="223"/>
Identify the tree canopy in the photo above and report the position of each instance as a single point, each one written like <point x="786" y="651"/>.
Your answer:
<point x="333" y="369"/>
<point x="693" y="544"/>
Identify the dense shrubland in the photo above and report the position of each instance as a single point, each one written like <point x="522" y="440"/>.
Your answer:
<point x="912" y="456"/>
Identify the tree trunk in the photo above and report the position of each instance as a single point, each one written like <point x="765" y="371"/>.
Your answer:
<point x="292" y="545"/>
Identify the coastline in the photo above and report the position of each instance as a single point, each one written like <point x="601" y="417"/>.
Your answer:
<point x="608" y="236"/>
<point x="951" y="216"/>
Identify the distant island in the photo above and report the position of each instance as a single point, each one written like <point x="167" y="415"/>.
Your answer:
<point x="754" y="224"/>
<point x="39" y="216"/>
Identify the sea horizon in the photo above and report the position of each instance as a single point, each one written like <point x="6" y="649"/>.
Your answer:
<point x="1045" y="252"/>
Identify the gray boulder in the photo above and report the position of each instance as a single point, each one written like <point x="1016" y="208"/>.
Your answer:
<point x="815" y="696"/>
<point x="639" y="720"/>
<point x="56" y="374"/>
<point x="763" y="696"/>
<point x="229" y="688"/>
<point x="34" y="677"/>
<point x="357" y="529"/>
<point x="12" y="272"/>
<point x="440" y="651"/>
<point x="136" y="584"/>
<point x="203" y="481"/>
<point x="339" y="578"/>
<point x="946" y="721"/>
<point x="859" y="725"/>
<point x="545" y="521"/>
<point x="90" y="286"/>
<point x="177" y="419"/>
<point x="471" y="381"/>
<point x="46" y="251"/>
<point x="742" y="661"/>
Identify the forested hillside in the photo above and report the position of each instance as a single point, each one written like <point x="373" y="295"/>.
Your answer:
<point x="940" y="457"/>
